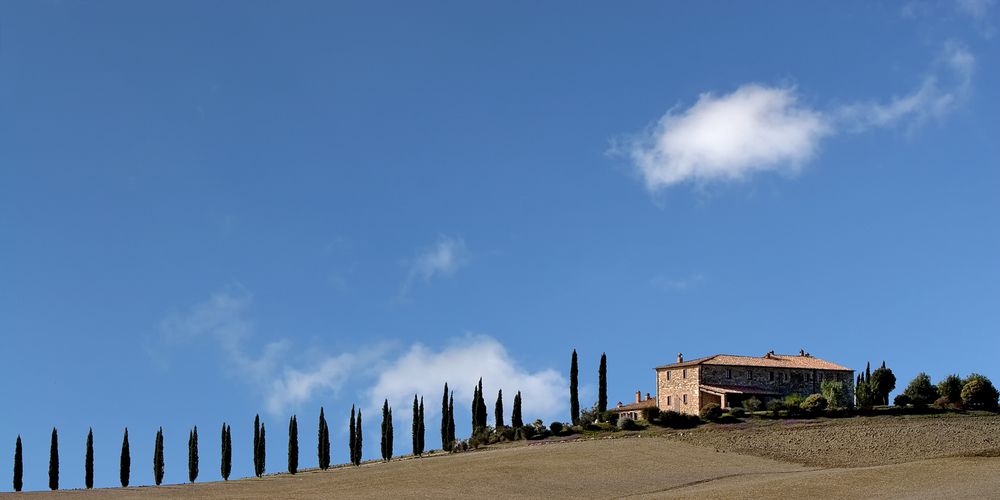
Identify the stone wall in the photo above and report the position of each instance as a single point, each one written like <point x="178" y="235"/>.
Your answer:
<point x="673" y="384"/>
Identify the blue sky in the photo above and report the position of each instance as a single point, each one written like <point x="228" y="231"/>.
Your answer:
<point x="214" y="209"/>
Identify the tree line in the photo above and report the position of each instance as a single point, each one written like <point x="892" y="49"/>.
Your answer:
<point x="355" y="439"/>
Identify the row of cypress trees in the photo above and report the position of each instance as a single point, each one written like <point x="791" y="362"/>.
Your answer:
<point x="355" y="437"/>
<point x="447" y="418"/>
<point x="574" y="384"/>
<point x="417" y="426"/>
<point x="259" y="446"/>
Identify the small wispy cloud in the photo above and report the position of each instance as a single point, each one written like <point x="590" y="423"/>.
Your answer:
<point x="443" y="258"/>
<point x="221" y="320"/>
<point x="978" y="9"/>
<point x="947" y="86"/>
<point x="677" y="284"/>
<point x="759" y="128"/>
<point x="273" y="370"/>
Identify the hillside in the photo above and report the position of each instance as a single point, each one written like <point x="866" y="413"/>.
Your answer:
<point x="688" y="464"/>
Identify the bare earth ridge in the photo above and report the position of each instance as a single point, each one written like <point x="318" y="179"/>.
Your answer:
<point x="878" y="457"/>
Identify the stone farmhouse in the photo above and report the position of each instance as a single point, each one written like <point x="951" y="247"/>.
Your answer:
<point x="727" y="380"/>
<point x="634" y="410"/>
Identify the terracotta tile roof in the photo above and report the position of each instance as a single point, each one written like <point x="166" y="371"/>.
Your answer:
<point x="768" y="361"/>
<point x="646" y="403"/>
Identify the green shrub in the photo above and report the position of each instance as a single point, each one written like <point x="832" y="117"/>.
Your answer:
<point x="527" y="432"/>
<point x="942" y="402"/>
<point x="610" y="417"/>
<point x="835" y="393"/>
<point x="814" y="404"/>
<point x="676" y="420"/>
<point x="753" y="404"/>
<point x="794" y="400"/>
<point x="710" y="412"/>
<point x="589" y="416"/>
<point x="901" y="400"/>
<point x="627" y="424"/>
<point x="920" y="391"/>
<point x="556" y="428"/>
<point x="737" y="412"/>
<point x="979" y="393"/>
<point x="508" y="434"/>
<point x="950" y="388"/>
<point x="650" y="414"/>
<point x="775" y="406"/>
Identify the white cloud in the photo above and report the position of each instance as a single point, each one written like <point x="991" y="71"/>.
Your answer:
<point x="939" y="93"/>
<point x="757" y="128"/>
<point x="975" y="8"/>
<point x="753" y="129"/>
<point x="443" y="258"/>
<point x="424" y="371"/>
<point x="288" y="379"/>
<point x="221" y="319"/>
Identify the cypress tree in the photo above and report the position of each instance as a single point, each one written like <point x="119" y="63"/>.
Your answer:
<point x="158" y="458"/>
<point x="263" y="450"/>
<point x="481" y="409"/>
<point x="256" y="445"/>
<point x="445" y="443"/>
<point x="498" y="409"/>
<point x="54" y="461"/>
<point x="602" y="384"/>
<point x="358" y="441"/>
<point x="18" y="466"/>
<point x="420" y="431"/>
<point x="193" y="454"/>
<point x="475" y="409"/>
<point x="226" y="464"/>
<point x="293" y="445"/>
<point x="515" y="413"/>
<point x="388" y="438"/>
<point x="88" y="461"/>
<point x="385" y="423"/>
<point x="353" y="437"/>
<point x="451" y="418"/>
<point x="125" y="463"/>
<point x="574" y="397"/>
<point x="323" y="445"/>
<point x="415" y="427"/>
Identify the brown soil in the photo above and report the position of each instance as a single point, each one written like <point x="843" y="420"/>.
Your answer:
<point x="854" y="442"/>
<point x="736" y="461"/>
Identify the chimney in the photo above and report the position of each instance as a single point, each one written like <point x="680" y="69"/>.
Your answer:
<point x="648" y="397"/>
<point x="680" y="358"/>
<point x="619" y="404"/>
<point x="802" y="352"/>
<point x="638" y="396"/>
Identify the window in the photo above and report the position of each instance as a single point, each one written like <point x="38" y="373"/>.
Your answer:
<point x="770" y="376"/>
<point x="668" y="401"/>
<point x="685" y="399"/>
<point x="729" y="373"/>
<point x="668" y="374"/>
<point x="749" y="375"/>
<point x="684" y="373"/>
